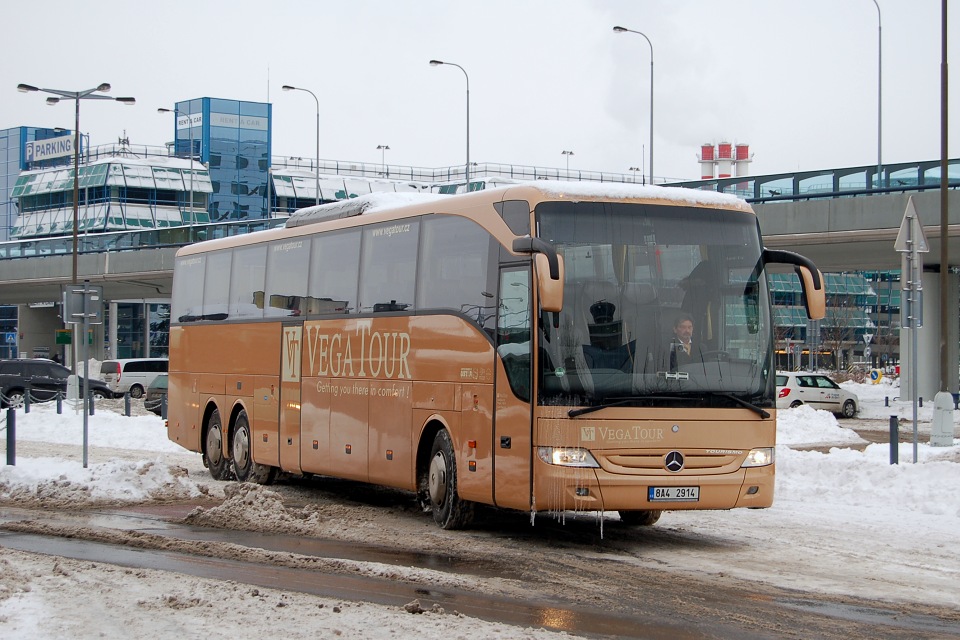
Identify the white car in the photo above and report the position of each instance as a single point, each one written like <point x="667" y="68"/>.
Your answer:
<point x="818" y="391"/>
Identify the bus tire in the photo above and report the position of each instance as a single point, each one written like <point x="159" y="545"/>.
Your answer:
<point x="449" y="511"/>
<point x="640" y="518"/>
<point x="213" y="458"/>
<point x="242" y="453"/>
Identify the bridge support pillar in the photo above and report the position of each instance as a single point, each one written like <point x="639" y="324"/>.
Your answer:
<point x="928" y="341"/>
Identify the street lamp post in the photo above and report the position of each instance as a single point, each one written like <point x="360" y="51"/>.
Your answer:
<point x="879" y="94"/>
<point x="625" y="30"/>
<point x="436" y="63"/>
<point x="288" y="87"/>
<point x="635" y="169"/>
<point x="383" y="148"/>
<point x="190" y="133"/>
<point x="76" y="96"/>
<point x="568" y="154"/>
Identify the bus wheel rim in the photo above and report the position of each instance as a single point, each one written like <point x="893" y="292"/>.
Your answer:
<point x="438" y="478"/>
<point x="241" y="447"/>
<point x="214" y="445"/>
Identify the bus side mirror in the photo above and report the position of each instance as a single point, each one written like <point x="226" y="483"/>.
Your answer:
<point x="551" y="291"/>
<point x="815" y="298"/>
<point x="811" y="280"/>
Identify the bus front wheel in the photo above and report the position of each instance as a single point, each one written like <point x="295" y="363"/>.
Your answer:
<point x="449" y="511"/>
<point x="243" y="465"/>
<point x="213" y="457"/>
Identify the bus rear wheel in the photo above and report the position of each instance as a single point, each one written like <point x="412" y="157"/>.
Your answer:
<point x="449" y="510"/>
<point x="213" y="457"/>
<point x="640" y="518"/>
<point x="242" y="452"/>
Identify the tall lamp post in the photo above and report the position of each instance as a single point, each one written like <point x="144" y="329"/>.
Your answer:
<point x="436" y="63"/>
<point x="383" y="148"/>
<point x="879" y="94"/>
<point x="189" y="117"/>
<point x="288" y="87"/>
<point x="568" y="154"/>
<point x="625" y="30"/>
<point x="87" y="94"/>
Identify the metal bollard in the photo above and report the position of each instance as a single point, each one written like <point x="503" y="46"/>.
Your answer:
<point x="126" y="404"/>
<point x="26" y="399"/>
<point x="886" y="401"/>
<point x="12" y="437"/>
<point x="920" y="400"/>
<point x="91" y="403"/>
<point x="163" y="406"/>
<point x="894" y="440"/>
<point x="59" y="404"/>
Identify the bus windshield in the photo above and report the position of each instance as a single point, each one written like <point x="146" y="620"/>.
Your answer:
<point x="664" y="305"/>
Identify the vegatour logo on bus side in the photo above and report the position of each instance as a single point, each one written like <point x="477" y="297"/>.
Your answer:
<point x="292" y="345"/>
<point x="377" y="354"/>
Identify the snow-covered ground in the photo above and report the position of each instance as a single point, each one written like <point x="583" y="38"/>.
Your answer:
<point x="845" y="522"/>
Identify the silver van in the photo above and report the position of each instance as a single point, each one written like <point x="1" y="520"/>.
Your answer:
<point x="133" y="375"/>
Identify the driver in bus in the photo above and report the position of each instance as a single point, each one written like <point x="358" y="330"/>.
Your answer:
<point x="682" y="349"/>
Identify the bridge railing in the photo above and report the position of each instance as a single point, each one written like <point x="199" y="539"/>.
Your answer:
<point x="833" y="183"/>
<point x="131" y="240"/>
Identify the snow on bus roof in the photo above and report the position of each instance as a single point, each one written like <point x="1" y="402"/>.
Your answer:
<point x="372" y="202"/>
<point x="566" y="190"/>
<point x="367" y="203"/>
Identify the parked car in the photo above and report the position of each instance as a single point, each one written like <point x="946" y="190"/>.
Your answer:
<point x="132" y="375"/>
<point x="816" y="390"/>
<point x="44" y="378"/>
<point x="153" y="398"/>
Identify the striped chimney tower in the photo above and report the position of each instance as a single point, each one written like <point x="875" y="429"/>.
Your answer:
<point x="707" y="161"/>
<point x="724" y="160"/>
<point x="742" y="158"/>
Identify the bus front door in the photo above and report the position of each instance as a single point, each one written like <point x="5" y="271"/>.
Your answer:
<point x="291" y="357"/>
<point x="512" y="434"/>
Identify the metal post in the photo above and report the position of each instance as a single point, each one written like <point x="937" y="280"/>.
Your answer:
<point x="894" y="440"/>
<point x="86" y="371"/>
<point x="11" y="436"/>
<point x="26" y="399"/>
<point x="126" y="404"/>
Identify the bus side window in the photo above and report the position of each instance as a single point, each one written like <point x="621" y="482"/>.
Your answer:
<point x="334" y="269"/>
<point x="388" y="266"/>
<point x="513" y="329"/>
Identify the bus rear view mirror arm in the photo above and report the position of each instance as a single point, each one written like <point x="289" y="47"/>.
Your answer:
<point x="536" y="245"/>
<point x="789" y="257"/>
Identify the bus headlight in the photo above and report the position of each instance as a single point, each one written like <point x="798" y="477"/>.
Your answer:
<point x="759" y="457"/>
<point x="567" y="456"/>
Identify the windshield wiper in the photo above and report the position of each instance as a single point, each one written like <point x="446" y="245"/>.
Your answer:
<point x="619" y="402"/>
<point x="743" y="403"/>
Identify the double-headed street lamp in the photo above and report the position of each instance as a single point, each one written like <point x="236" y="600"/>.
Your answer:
<point x="76" y="96"/>
<point x="436" y="63"/>
<point x="383" y="148"/>
<point x="568" y="154"/>
<point x="189" y="117"/>
<point x="288" y="87"/>
<point x="625" y="30"/>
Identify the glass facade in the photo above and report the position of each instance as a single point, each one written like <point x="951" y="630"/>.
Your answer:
<point x="143" y="330"/>
<point x="233" y="139"/>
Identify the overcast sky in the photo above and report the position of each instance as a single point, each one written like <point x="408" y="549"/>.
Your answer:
<point x="795" y="80"/>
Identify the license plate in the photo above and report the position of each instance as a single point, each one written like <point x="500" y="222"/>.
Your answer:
<point x="673" y="494"/>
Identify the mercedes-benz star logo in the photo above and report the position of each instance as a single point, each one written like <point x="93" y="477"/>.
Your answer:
<point x="673" y="461"/>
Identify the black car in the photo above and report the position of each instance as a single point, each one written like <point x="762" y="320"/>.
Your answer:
<point x="44" y="378"/>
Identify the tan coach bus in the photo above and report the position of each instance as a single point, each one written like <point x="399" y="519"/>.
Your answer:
<point x="543" y="347"/>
